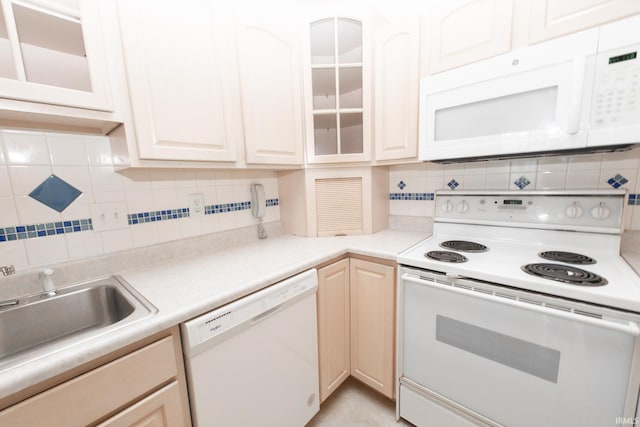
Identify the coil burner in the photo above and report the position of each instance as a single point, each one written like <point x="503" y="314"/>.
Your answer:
<point x="565" y="274"/>
<point x="446" y="256"/>
<point x="568" y="257"/>
<point x="463" y="246"/>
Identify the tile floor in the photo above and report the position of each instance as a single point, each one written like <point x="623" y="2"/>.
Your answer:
<point x="353" y="404"/>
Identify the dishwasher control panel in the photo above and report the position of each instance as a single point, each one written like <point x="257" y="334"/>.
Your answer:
<point x="248" y="310"/>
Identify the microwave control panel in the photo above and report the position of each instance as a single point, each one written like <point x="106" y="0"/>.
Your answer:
<point x="616" y="96"/>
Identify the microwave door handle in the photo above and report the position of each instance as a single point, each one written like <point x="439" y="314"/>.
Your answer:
<point x="577" y="88"/>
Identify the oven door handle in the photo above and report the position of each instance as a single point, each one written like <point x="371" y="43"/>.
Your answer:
<point x="630" y="328"/>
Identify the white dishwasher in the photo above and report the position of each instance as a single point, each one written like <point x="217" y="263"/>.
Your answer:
<point x="254" y="362"/>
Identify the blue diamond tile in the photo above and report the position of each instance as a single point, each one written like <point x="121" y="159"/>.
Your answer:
<point x="401" y="185"/>
<point x="453" y="184"/>
<point x="522" y="182"/>
<point x="55" y="193"/>
<point x="617" y="181"/>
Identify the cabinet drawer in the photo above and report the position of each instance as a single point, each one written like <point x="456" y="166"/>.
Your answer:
<point x="91" y="396"/>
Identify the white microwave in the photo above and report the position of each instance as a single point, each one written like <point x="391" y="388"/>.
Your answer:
<point x="578" y="92"/>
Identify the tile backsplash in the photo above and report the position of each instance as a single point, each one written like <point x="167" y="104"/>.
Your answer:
<point x="412" y="187"/>
<point x="156" y="201"/>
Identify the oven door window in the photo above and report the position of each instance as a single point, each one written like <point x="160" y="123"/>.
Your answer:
<point x="513" y="365"/>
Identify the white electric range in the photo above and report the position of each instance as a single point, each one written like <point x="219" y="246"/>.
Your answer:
<point x="519" y="310"/>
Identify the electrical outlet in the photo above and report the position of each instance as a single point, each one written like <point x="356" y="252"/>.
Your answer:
<point x="196" y="205"/>
<point x="108" y="216"/>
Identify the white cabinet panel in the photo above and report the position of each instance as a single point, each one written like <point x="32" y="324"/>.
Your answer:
<point x="270" y="80"/>
<point x="465" y="31"/>
<point x="396" y="91"/>
<point x="553" y="18"/>
<point x="177" y="56"/>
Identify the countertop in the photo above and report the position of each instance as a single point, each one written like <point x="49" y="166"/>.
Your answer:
<point x="185" y="288"/>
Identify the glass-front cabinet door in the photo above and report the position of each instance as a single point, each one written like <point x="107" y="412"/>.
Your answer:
<point x="337" y="101"/>
<point x="52" y="52"/>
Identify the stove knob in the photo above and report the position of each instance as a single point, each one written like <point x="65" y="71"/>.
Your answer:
<point x="573" y="211"/>
<point x="462" y="207"/>
<point x="600" y="211"/>
<point x="447" y="206"/>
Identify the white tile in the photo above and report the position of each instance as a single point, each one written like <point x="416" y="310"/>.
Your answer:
<point x="497" y="166"/>
<point x="168" y="230"/>
<point x="98" y="150"/>
<point x="582" y="179"/>
<point x="430" y="208"/>
<point x="210" y="224"/>
<point x="585" y="162"/>
<point x="24" y="179"/>
<point x="109" y="196"/>
<point x="83" y="244"/>
<point x="272" y="214"/>
<point x="225" y="194"/>
<point x="45" y="251"/>
<point x="227" y="221"/>
<point x="635" y="218"/>
<point x="141" y="201"/>
<point x="22" y="147"/>
<point x="136" y="179"/>
<point x="454" y="169"/>
<point x="205" y="178"/>
<point x="145" y="234"/>
<point x="553" y="164"/>
<point x="245" y="219"/>
<point x="623" y="160"/>
<point x="116" y="240"/>
<point x="524" y="165"/>
<point x="627" y="217"/>
<point x="31" y="211"/>
<point x="66" y="149"/>
<point x="474" y="182"/>
<point x="8" y="212"/>
<point x="5" y="184"/>
<point x="210" y="195"/>
<point x="166" y="198"/>
<point x="162" y="178"/>
<point x="77" y="176"/>
<point x="190" y="227"/>
<point x="224" y="178"/>
<point x="79" y="208"/>
<point x="496" y="181"/>
<point x="551" y="180"/>
<point x="103" y="178"/>
<point x="185" y="179"/>
<point x="434" y="183"/>
<point x="475" y="168"/>
<point x="418" y="184"/>
<point x="14" y="253"/>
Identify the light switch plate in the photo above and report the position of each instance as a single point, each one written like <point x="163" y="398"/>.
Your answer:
<point x="108" y="216"/>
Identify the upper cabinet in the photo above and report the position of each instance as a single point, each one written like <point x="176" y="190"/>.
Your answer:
<point x="179" y="59"/>
<point x="465" y="31"/>
<point x="396" y="90"/>
<point x="553" y="18"/>
<point x="337" y="86"/>
<point x="52" y="55"/>
<point x="269" y="57"/>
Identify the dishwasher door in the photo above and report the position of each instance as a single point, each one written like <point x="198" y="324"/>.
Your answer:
<point x="254" y="362"/>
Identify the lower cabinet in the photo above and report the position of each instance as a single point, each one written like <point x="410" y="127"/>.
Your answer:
<point x="356" y="324"/>
<point x="143" y="387"/>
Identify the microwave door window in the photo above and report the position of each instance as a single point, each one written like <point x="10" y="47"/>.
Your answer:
<point x="534" y="110"/>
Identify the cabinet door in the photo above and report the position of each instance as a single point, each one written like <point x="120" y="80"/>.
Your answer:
<point x="396" y="89"/>
<point x="466" y="31"/>
<point x="373" y="325"/>
<point x="53" y="54"/>
<point x="177" y="58"/>
<point x="161" y="409"/>
<point x="553" y="18"/>
<point x="271" y="87"/>
<point x="333" y="326"/>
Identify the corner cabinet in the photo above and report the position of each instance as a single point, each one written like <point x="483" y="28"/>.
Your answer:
<point x="269" y="58"/>
<point x="143" y="384"/>
<point x="337" y="87"/>
<point x="179" y="60"/>
<point x="356" y="324"/>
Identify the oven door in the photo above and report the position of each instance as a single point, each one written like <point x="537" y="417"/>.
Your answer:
<point x="525" y="101"/>
<point x="513" y="359"/>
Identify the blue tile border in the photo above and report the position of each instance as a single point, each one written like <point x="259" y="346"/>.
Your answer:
<point x="411" y="196"/>
<point x="34" y="231"/>
<point x="634" y="199"/>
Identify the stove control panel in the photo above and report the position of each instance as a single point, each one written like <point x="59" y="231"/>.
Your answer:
<point x="594" y="210"/>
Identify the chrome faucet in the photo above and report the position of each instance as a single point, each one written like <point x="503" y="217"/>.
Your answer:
<point x="7" y="270"/>
<point x="48" y="289"/>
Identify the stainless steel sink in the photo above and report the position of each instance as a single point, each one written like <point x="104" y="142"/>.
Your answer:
<point x="38" y="326"/>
